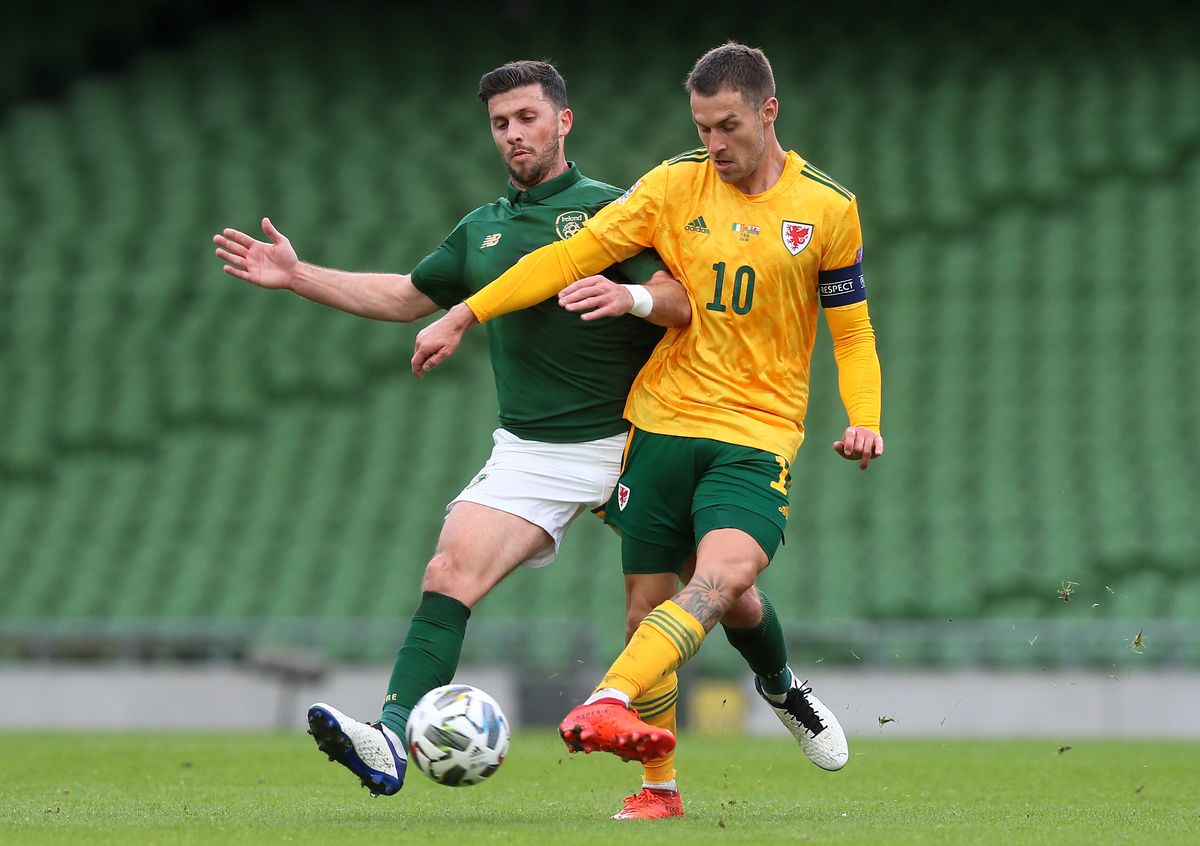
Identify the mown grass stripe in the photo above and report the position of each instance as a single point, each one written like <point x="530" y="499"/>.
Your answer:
<point x="972" y="791"/>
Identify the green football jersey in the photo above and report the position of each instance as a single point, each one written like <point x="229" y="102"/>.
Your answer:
<point x="559" y="379"/>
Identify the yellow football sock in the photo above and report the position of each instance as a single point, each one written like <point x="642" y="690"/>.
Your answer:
<point x="657" y="708"/>
<point x="664" y="641"/>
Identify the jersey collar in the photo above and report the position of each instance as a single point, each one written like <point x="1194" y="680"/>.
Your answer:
<point x="546" y="189"/>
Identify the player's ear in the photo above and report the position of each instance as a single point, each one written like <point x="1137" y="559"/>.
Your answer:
<point x="769" y="111"/>
<point x="566" y="119"/>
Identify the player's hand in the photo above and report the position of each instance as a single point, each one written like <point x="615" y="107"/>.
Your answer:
<point x="438" y="341"/>
<point x="266" y="265"/>
<point x="596" y="297"/>
<point x="859" y="444"/>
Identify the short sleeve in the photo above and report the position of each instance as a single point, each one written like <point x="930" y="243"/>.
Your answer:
<point x="627" y="224"/>
<point x="440" y="275"/>
<point x="845" y="246"/>
<point x="841" y="281"/>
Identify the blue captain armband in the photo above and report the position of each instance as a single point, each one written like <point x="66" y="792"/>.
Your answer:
<point x="842" y="287"/>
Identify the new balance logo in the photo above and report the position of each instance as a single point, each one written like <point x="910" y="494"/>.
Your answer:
<point x="697" y="225"/>
<point x="490" y="241"/>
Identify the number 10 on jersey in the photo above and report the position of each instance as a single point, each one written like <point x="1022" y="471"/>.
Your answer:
<point x="742" y="295"/>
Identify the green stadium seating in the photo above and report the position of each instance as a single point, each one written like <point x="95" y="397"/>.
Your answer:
<point x="185" y="457"/>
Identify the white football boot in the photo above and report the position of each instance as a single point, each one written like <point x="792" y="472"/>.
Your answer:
<point x="812" y="724"/>
<point x="372" y="751"/>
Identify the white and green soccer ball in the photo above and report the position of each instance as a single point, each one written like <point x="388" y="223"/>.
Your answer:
<point x="457" y="735"/>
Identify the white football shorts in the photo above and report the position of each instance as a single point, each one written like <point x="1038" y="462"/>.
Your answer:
<point x="547" y="484"/>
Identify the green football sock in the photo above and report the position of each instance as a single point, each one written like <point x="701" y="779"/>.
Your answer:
<point x="764" y="649"/>
<point x="428" y="657"/>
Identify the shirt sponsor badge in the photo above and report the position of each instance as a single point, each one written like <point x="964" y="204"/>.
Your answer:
<point x="796" y="236"/>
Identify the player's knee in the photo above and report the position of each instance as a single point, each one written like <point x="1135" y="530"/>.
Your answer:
<point x="444" y="574"/>
<point x="745" y="612"/>
<point x="732" y="576"/>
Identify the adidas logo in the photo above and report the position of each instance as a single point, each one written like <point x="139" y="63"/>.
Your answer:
<point x="697" y="225"/>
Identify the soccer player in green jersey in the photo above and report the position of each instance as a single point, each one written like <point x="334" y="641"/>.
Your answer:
<point x="561" y="384"/>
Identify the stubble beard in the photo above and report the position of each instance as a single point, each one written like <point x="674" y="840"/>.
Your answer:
<point x="543" y="161"/>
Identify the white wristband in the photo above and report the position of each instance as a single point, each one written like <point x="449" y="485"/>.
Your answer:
<point x="643" y="300"/>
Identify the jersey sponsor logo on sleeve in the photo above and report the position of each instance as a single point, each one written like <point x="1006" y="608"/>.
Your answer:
<point x="796" y="236"/>
<point x="490" y="241"/>
<point x="622" y="496"/>
<point x="843" y="286"/>
<point x="629" y="193"/>
<point x="569" y="223"/>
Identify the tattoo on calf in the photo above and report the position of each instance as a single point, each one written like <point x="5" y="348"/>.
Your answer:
<point x="706" y="598"/>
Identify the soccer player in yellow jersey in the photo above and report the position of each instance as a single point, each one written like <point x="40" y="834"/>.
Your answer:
<point x="761" y="240"/>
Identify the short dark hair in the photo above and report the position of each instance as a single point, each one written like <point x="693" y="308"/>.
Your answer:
<point x="732" y="65"/>
<point x="525" y="72"/>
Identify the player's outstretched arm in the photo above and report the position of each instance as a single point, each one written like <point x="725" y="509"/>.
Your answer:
<point x="274" y="265"/>
<point x="661" y="301"/>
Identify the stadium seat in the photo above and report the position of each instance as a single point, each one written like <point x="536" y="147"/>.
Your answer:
<point x="181" y="453"/>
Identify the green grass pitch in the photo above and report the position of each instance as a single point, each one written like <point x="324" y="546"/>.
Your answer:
<point x="109" y="788"/>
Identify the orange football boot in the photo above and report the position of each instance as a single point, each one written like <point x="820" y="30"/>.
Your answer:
<point x="651" y="804"/>
<point x="606" y="725"/>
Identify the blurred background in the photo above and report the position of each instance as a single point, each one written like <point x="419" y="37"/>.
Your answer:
<point x="210" y="492"/>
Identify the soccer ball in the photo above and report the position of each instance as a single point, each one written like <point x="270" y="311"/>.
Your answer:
<point x="457" y="735"/>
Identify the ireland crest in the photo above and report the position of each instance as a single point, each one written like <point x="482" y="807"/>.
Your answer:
<point x="568" y="223"/>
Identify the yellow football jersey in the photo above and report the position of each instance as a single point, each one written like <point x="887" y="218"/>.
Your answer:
<point x="739" y="372"/>
<point x="758" y="268"/>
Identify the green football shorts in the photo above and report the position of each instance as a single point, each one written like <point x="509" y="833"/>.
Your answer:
<point x="674" y="490"/>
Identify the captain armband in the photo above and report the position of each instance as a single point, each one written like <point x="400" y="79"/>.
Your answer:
<point x="842" y="287"/>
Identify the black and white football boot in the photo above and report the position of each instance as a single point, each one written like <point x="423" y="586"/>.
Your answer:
<point x="813" y="725"/>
